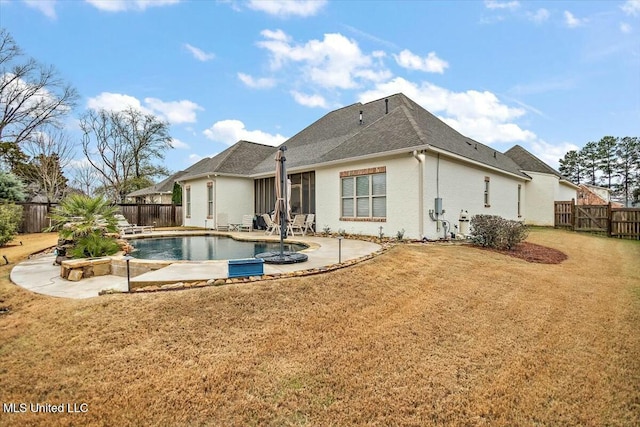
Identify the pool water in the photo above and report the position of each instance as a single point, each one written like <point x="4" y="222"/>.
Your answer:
<point x="203" y="248"/>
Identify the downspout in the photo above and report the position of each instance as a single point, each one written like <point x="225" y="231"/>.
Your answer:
<point x="420" y="158"/>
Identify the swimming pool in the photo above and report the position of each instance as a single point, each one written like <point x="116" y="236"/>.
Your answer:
<point x="203" y="248"/>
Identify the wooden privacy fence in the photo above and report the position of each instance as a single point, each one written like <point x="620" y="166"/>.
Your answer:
<point x="35" y="216"/>
<point x="615" y="222"/>
<point x="152" y="214"/>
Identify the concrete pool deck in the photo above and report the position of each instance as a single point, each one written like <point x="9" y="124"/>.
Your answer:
<point x="40" y="275"/>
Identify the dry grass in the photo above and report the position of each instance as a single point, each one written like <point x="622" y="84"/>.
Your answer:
<point x="421" y="335"/>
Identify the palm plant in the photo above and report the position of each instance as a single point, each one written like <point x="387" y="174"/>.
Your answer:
<point x="79" y="215"/>
<point x="84" y="223"/>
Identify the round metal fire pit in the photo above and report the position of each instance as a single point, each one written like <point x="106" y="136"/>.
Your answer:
<point x="285" y="258"/>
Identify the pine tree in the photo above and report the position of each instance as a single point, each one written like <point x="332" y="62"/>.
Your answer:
<point x="607" y="159"/>
<point x="627" y="168"/>
<point x="590" y="160"/>
<point x="570" y="166"/>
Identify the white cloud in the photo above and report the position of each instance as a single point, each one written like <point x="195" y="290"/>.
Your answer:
<point x="571" y="21"/>
<point x="115" y="102"/>
<point x="47" y="7"/>
<point x="260" y="83"/>
<point x="334" y="62"/>
<point x="631" y="7"/>
<point x="430" y="64"/>
<point x="124" y="5"/>
<point x="176" y="143"/>
<point x="285" y="8"/>
<point x="174" y="112"/>
<point x="494" y="4"/>
<point x="309" y="100"/>
<point x="540" y="16"/>
<point x="625" y="28"/>
<point x="232" y="131"/>
<point x="479" y="115"/>
<point x="551" y="153"/>
<point x="199" y="54"/>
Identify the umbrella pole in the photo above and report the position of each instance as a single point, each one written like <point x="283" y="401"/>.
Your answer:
<point x="283" y="201"/>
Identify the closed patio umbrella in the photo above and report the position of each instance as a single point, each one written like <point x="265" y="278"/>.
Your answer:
<point x="282" y="214"/>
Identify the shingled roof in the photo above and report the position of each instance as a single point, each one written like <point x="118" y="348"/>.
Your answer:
<point x="164" y="186"/>
<point x="239" y="159"/>
<point x="530" y="163"/>
<point x="388" y="124"/>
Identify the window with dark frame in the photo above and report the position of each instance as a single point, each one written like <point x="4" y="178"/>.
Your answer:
<point x="519" y="200"/>
<point x="487" y="200"/>
<point x="210" y="199"/>
<point x="188" y="200"/>
<point x="487" y="181"/>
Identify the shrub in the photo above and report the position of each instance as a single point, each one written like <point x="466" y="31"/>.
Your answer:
<point x="496" y="232"/>
<point x="12" y="189"/>
<point x="94" y="245"/>
<point x="84" y="224"/>
<point x="10" y="217"/>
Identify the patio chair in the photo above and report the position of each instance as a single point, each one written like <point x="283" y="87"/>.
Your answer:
<point x="308" y="224"/>
<point x="298" y="224"/>
<point x="247" y="223"/>
<point x="271" y="226"/>
<point x="127" y="228"/>
<point x="222" y="223"/>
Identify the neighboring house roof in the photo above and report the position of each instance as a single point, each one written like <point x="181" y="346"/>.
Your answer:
<point x="388" y="124"/>
<point x="239" y="159"/>
<point x="164" y="186"/>
<point x="594" y="195"/>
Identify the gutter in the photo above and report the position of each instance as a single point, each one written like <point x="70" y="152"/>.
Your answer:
<point x="473" y="162"/>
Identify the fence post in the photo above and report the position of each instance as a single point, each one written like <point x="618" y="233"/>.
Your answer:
<point x="573" y="214"/>
<point x="609" y="220"/>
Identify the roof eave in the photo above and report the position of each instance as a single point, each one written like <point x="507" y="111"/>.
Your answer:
<point x="345" y="160"/>
<point x="213" y="175"/>
<point x="524" y="176"/>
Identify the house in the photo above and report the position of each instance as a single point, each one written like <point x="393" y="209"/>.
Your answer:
<point x="546" y="186"/>
<point x="159" y="193"/>
<point x="594" y="195"/>
<point x="383" y="166"/>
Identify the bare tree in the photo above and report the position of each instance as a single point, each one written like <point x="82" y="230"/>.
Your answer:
<point x="85" y="178"/>
<point x="31" y="94"/>
<point x="50" y="151"/>
<point x="105" y="150"/>
<point x="147" y="137"/>
<point x="122" y="146"/>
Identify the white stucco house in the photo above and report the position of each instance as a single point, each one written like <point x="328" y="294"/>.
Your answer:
<point x="387" y="163"/>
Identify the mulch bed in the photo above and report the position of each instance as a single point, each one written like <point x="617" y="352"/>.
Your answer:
<point x="531" y="252"/>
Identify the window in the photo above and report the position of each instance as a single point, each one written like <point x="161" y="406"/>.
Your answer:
<point x="519" y="199"/>
<point x="364" y="195"/>
<point x="209" y="199"/>
<point x="487" y="203"/>
<point x="188" y="197"/>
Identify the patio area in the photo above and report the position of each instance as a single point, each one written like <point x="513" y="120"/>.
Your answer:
<point x="40" y="275"/>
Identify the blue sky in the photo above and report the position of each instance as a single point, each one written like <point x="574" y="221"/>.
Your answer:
<point x="549" y="76"/>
